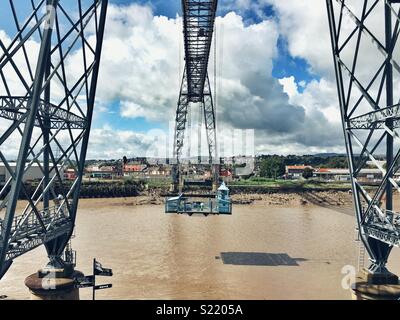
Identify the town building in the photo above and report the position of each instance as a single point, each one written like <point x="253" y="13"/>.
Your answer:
<point x="244" y="172"/>
<point x="101" y="173"/>
<point x="333" y="174"/>
<point x="226" y="175"/>
<point x="33" y="174"/>
<point x="133" y="170"/>
<point x="326" y="174"/>
<point x="70" y="174"/>
<point x="295" y="172"/>
<point x="158" y="171"/>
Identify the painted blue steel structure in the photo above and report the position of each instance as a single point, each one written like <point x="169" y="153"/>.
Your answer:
<point x="46" y="105"/>
<point x="370" y="116"/>
<point x="198" y="30"/>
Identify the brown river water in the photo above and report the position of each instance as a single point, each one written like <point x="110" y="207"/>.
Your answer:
<point x="158" y="256"/>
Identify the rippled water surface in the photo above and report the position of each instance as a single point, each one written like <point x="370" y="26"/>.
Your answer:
<point x="155" y="256"/>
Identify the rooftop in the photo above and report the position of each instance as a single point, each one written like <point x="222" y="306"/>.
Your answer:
<point x="302" y="167"/>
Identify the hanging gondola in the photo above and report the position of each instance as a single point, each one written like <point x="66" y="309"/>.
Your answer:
<point x="219" y="204"/>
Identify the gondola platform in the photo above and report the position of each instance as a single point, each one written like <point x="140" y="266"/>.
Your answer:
<point x="197" y="204"/>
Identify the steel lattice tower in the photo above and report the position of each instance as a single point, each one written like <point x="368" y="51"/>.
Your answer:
<point x="198" y="28"/>
<point x="47" y="97"/>
<point x="366" y="50"/>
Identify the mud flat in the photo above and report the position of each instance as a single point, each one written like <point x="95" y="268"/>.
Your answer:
<point x="333" y="198"/>
<point x="290" y="199"/>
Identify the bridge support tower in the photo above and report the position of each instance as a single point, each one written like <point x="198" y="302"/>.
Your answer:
<point x="370" y="120"/>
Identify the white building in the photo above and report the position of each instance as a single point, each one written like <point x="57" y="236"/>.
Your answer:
<point x="34" y="173"/>
<point x="334" y="174"/>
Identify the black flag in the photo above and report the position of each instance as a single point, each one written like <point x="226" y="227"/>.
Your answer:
<point x="85" y="282"/>
<point x="100" y="271"/>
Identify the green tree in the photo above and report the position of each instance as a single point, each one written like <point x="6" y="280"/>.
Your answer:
<point x="308" y="173"/>
<point x="335" y="162"/>
<point x="272" y="167"/>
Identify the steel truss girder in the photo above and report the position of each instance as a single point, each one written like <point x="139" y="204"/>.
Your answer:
<point x="210" y="122"/>
<point x="378" y="224"/>
<point x="198" y="28"/>
<point x="377" y="119"/>
<point x="52" y="118"/>
<point x="198" y="18"/>
<point x="14" y="108"/>
<point x="29" y="235"/>
<point x="181" y="120"/>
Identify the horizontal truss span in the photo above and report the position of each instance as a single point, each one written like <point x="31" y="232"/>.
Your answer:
<point x="389" y="234"/>
<point x="377" y="119"/>
<point x="199" y="18"/>
<point x="15" y="108"/>
<point x="34" y="230"/>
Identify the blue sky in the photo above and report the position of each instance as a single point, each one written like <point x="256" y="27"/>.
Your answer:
<point x="285" y="65"/>
<point x="161" y="7"/>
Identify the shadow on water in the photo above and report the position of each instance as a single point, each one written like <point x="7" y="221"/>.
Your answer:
<point x="259" y="259"/>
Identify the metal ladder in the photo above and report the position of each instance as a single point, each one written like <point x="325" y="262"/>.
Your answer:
<point x="361" y="250"/>
<point x="361" y="256"/>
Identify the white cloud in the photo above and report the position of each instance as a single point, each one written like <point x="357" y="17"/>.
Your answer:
<point x="316" y="96"/>
<point x="15" y="85"/>
<point x="323" y="127"/>
<point x="113" y="144"/>
<point x="110" y="143"/>
<point x="289" y="86"/>
<point x="304" y="23"/>
<point x="142" y="63"/>
<point x="132" y="110"/>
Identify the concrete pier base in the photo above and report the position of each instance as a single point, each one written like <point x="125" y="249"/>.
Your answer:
<point x="54" y="285"/>
<point x="376" y="286"/>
